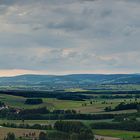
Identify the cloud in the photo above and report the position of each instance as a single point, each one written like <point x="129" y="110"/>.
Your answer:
<point x="8" y="2"/>
<point x="69" y="25"/>
<point x="67" y="36"/>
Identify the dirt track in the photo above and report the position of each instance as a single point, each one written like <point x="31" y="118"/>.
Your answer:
<point x="105" y="138"/>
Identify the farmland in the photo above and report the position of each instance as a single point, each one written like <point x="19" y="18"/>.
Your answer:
<point x="18" y="132"/>
<point x="88" y="106"/>
<point x="69" y="69"/>
<point x="97" y="105"/>
<point x="126" y="135"/>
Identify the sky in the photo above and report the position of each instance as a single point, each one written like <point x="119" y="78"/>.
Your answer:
<point x="69" y="36"/>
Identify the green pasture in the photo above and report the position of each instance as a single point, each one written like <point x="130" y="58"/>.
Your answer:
<point x="97" y="105"/>
<point x="125" y="135"/>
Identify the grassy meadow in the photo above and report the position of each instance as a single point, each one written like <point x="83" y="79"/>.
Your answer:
<point x="125" y="135"/>
<point x="97" y="105"/>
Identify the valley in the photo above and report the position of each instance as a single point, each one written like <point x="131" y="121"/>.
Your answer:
<point x="104" y="108"/>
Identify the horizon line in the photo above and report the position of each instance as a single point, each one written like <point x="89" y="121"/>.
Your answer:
<point x="18" y="72"/>
<point x="70" y="74"/>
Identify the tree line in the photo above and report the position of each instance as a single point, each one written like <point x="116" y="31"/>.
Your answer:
<point x="123" y="125"/>
<point x="27" y="126"/>
<point x="124" y="106"/>
<point x="68" y="130"/>
<point x="33" y="101"/>
<point x="63" y="130"/>
<point x="45" y="114"/>
<point x="49" y="94"/>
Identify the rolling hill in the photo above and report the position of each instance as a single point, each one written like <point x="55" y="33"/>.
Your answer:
<point x="70" y="80"/>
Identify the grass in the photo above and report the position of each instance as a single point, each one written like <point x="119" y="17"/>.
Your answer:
<point x="96" y="107"/>
<point x="126" y="135"/>
<point x="76" y="90"/>
<point x="18" y="102"/>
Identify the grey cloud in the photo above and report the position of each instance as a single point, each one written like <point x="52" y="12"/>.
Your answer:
<point x="88" y="0"/>
<point x="69" y="25"/>
<point x="8" y="2"/>
<point x="71" y="35"/>
<point x="19" y="2"/>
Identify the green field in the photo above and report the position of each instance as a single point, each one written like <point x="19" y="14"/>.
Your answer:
<point x="118" y="87"/>
<point x="96" y="107"/>
<point x="107" y="87"/>
<point x="125" y="135"/>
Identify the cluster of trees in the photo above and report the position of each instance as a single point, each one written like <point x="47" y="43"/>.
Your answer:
<point x="44" y="111"/>
<point x="8" y="113"/>
<point x="125" y="118"/>
<point x="10" y="136"/>
<point x="33" y="101"/>
<point x="129" y="96"/>
<point x="45" y="114"/>
<point x="54" y="135"/>
<point x="2" y="104"/>
<point x="78" y="96"/>
<point x="75" y="129"/>
<point x="62" y="130"/>
<point x="41" y="110"/>
<point x="27" y="126"/>
<point x="111" y="92"/>
<point x="124" y="125"/>
<point x="124" y="106"/>
<point x="36" y="113"/>
<point x="68" y="130"/>
<point x="65" y="116"/>
<point x="48" y="94"/>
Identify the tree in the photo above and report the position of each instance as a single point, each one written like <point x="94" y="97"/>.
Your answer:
<point x="74" y="136"/>
<point x="107" y="109"/>
<point x="42" y="136"/>
<point x="138" y="108"/>
<point x="33" y="101"/>
<point x="10" y="136"/>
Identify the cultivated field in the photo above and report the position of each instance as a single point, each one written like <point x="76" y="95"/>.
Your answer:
<point x="18" y="132"/>
<point x="95" y="105"/>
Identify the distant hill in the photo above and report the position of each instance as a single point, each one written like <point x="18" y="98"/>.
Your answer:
<point x="72" y="81"/>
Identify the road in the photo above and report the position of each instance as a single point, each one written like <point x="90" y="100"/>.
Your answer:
<point x="105" y="138"/>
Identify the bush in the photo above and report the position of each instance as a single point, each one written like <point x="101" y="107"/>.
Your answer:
<point x="10" y="136"/>
<point x="42" y="136"/>
<point x="33" y="101"/>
